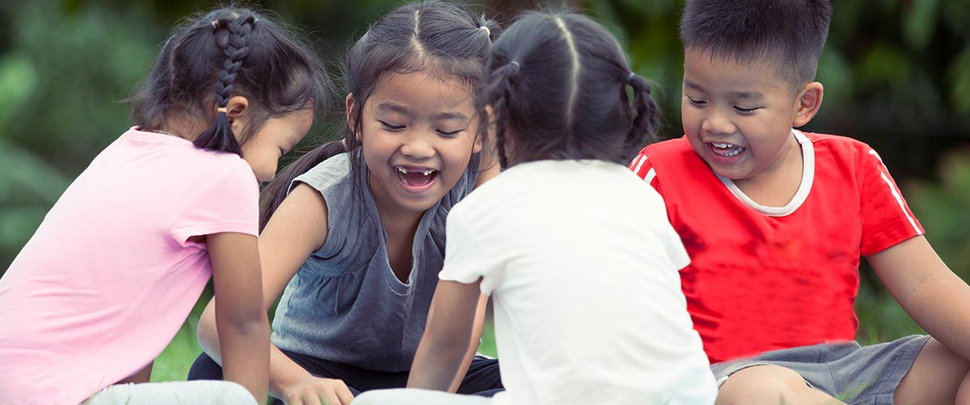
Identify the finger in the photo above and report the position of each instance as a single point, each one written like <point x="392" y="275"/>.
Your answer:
<point x="344" y="394"/>
<point x="329" y="398"/>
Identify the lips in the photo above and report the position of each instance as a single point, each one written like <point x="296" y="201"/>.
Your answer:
<point x="416" y="179"/>
<point x="726" y="153"/>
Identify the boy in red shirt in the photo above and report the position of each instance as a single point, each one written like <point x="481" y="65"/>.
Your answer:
<point x="775" y="221"/>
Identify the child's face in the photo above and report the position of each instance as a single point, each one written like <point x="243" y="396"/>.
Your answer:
<point x="275" y="138"/>
<point x="738" y="117"/>
<point x="418" y="133"/>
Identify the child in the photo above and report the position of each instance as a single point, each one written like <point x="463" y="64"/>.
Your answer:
<point x="122" y="257"/>
<point x="775" y="221"/>
<point x="575" y="251"/>
<point x="359" y="240"/>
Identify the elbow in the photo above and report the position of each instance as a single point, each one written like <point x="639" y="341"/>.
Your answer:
<point x="446" y="345"/>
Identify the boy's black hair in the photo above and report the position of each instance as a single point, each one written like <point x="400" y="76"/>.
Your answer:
<point x="226" y="52"/>
<point x="557" y="86"/>
<point x="789" y="32"/>
<point x="431" y="36"/>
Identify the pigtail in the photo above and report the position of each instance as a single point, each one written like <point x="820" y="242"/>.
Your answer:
<point x="491" y="27"/>
<point x="498" y="95"/>
<point x="644" y="125"/>
<point x="274" y="194"/>
<point x="235" y="47"/>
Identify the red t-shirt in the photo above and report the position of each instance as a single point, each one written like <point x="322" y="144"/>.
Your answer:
<point x="767" y="278"/>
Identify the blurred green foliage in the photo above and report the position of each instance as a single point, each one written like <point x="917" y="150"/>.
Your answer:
<point x="896" y="75"/>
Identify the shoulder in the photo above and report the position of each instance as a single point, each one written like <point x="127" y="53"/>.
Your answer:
<point x="328" y="173"/>
<point x="843" y="153"/>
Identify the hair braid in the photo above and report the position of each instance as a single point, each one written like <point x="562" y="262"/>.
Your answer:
<point x="499" y="94"/>
<point x="235" y="48"/>
<point x="645" y="122"/>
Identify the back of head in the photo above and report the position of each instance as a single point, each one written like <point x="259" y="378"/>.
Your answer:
<point x="557" y="86"/>
<point x="224" y="53"/>
<point x="789" y="32"/>
<point x="432" y="36"/>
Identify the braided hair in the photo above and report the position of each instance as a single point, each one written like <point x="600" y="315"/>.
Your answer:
<point x="221" y="54"/>
<point x="558" y="84"/>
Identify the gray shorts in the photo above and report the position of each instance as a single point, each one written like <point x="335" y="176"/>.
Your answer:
<point x="847" y="371"/>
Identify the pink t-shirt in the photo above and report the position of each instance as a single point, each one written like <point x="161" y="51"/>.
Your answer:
<point x="110" y="276"/>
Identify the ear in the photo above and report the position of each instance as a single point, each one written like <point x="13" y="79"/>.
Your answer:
<point x="349" y="101"/>
<point x="236" y="110"/>
<point x="807" y="104"/>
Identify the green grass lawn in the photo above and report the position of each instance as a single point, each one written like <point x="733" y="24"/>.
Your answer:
<point x="881" y="319"/>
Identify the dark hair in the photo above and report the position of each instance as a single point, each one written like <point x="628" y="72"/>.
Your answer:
<point x="791" y="33"/>
<point x="557" y="84"/>
<point x="230" y="51"/>
<point x="428" y="36"/>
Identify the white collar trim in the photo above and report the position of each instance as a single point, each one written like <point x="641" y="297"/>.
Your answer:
<point x="808" y="176"/>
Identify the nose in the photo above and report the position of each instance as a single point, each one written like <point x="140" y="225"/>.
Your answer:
<point x="419" y="145"/>
<point x="718" y="122"/>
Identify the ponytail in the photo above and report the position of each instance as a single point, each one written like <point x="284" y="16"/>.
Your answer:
<point x="274" y="194"/>
<point x="642" y="131"/>
<point x="220" y="137"/>
<point x="498" y="94"/>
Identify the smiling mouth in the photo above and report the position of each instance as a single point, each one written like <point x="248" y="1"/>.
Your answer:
<point x="416" y="177"/>
<point x="726" y="149"/>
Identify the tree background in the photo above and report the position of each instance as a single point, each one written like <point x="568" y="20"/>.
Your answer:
<point x="896" y="75"/>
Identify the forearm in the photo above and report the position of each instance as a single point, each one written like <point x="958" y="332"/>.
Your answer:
<point x="473" y="344"/>
<point x="284" y="373"/>
<point x="244" y="353"/>
<point x="436" y="364"/>
<point x="941" y="306"/>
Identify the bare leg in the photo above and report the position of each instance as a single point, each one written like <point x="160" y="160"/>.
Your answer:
<point x="770" y="385"/>
<point x="937" y="377"/>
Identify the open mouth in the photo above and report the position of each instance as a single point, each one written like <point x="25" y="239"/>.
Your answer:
<point x="416" y="178"/>
<point x="726" y="149"/>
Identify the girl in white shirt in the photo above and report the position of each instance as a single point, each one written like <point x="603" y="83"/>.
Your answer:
<point x="575" y="250"/>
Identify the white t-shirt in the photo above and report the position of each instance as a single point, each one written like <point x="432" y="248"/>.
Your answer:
<point x="582" y="266"/>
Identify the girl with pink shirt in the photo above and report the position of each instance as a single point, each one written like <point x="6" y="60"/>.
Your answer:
<point x="120" y="260"/>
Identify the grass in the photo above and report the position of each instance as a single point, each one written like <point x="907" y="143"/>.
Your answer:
<point x="174" y="362"/>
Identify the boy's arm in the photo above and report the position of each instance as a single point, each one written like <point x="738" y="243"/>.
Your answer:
<point x="241" y="314"/>
<point x="447" y="335"/>
<point x="937" y="299"/>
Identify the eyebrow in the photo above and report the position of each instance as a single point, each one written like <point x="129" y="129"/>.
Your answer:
<point x="450" y="115"/>
<point x="743" y="95"/>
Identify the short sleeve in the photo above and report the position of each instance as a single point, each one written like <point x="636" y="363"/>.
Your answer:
<point x="643" y="168"/>
<point x="467" y="256"/>
<point x="226" y="203"/>
<point x="886" y="218"/>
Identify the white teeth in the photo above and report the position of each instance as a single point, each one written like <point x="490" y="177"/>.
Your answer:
<point x="404" y="171"/>
<point x="722" y="145"/>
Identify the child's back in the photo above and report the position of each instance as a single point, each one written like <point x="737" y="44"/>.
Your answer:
<point x="582" y="266"/>
<point x="113" y="253"/>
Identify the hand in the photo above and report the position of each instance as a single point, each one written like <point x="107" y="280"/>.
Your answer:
<point x="318" y="391"/>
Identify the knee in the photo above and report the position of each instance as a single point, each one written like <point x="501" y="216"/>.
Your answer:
<point x="763" y="385"/>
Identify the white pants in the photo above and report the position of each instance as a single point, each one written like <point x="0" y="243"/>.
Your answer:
<point x="174" y="393"/>
<point x="412" y="396"/>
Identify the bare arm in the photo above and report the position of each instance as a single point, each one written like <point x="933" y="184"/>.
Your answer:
<point x="296" y="230"/>
<point x="473" y="344"/>
<point x="446" y="337"/>
<point x="141" y="376"/>
<point x="937" y="299"/>
<point x="241" y="317"/>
